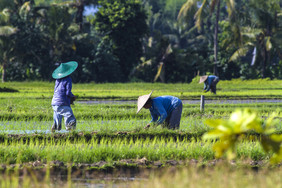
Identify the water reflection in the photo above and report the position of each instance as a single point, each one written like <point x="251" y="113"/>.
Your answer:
<point x="119" y="182"/>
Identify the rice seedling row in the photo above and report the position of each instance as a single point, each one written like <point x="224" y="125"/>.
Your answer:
<point x="109" y="150"/>
<point x="234" y="89"/>
<point x="29" y="109"/>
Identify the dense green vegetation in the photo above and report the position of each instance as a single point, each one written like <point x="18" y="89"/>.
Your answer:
<point x="131" y="40"/>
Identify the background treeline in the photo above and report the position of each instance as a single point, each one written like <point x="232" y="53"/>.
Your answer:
<point x="141" y="40"/>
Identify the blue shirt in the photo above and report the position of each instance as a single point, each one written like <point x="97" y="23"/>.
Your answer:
<point x="62" y="92"/>
<point x="208" y="82"/>
<point x="162" y="107"/>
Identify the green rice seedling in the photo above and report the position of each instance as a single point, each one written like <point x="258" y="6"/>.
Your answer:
<point x="25" y="109"/>
<point x="253" y="150"/>
<point x="108" y="149"/>
<point x="234" y="89"/>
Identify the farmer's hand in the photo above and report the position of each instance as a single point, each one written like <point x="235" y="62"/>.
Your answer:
<point x="147" y="126"/>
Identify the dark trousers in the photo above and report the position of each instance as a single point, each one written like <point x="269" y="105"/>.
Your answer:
<point x="173" y="120"/>
<point x="213" y="85"/>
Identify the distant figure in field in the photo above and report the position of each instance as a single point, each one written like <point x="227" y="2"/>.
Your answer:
<point x="210" y="83"/>
<point x="63" y="97"/>
<point x="164" y="110"/>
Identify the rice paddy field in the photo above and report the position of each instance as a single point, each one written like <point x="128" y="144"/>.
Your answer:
<point x="110" y="147"/>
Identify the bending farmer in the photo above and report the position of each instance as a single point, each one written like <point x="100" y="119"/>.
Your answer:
<point x="164" y="110"/>
<point x="63" y="96"/>
<point x="210" y="83"/>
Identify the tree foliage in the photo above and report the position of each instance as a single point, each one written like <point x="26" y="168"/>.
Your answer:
<point x="124" y="24"/>
<point x="140" y="40"/>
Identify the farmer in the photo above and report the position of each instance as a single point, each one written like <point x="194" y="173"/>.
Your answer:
<point x="63" y="96"/>
<point x="210" y="83"/>
<point x="163" y="109"/>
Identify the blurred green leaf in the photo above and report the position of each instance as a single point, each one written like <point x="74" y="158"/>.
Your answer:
<point x="214" y="122"/>
<point x="276" y="137"/>
<point x="241" y="122"/>
<point x="277" y="157"/>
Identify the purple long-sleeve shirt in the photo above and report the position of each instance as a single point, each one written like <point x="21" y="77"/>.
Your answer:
<point x="62" y="92"/>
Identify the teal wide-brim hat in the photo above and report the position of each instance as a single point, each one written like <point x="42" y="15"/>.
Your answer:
<point x="65" y="69"/>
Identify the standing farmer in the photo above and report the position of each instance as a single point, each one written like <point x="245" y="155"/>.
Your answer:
<point x="63" y="96"/>
<point x="210" y="83"/>
<point x="163" y="109"/>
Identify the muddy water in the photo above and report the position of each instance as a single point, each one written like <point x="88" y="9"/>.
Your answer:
<point x="60" y="177"/>
<point x="120" y="182"/>
<point x="105" y="182"/>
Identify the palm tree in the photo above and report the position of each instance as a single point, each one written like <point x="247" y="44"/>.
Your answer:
<point x="265" y="35"/>
<point x="214" y="4"/>
<point x="79" y="5"/>
<point x="6" y="41"/>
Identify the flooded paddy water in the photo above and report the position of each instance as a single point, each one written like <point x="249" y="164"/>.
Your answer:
<point x="129" y="177"/>
<point x="62" y="176"/>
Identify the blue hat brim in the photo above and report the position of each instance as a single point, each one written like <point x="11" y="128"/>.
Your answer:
<point x="65" y="69"/>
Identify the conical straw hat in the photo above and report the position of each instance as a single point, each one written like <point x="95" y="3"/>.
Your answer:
<point x="64" y="70"/>
<point x="203" y="78"/>
<point x="142" y="101"/>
